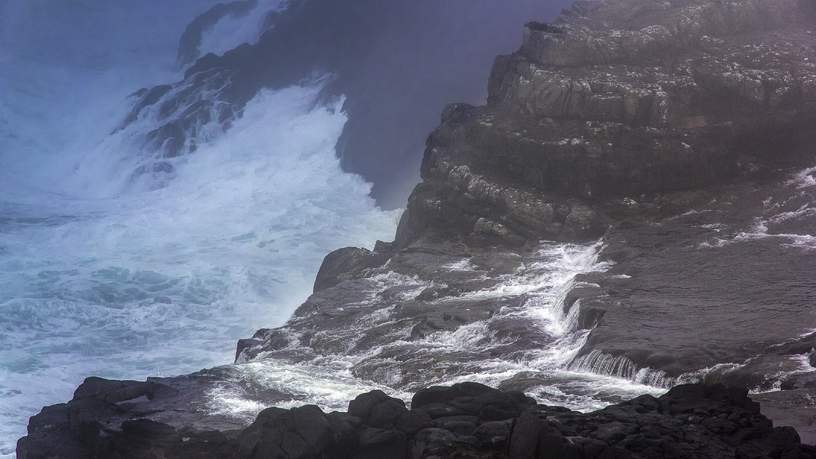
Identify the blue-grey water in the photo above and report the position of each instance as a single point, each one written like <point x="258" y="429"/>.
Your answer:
<point x="105" y="273"/>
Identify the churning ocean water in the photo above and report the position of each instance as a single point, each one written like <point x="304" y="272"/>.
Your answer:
<point x="103" y="274"/>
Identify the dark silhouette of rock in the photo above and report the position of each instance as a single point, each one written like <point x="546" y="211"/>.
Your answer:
<point x="690" y="421"/>
<point x="302" y="432"/>
<point x="344" y="264"/>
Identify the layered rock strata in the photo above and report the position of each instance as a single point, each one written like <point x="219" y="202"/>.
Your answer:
<point x="621" y="99"/>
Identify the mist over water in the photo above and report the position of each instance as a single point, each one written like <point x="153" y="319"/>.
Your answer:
<point x="101" y="274"/>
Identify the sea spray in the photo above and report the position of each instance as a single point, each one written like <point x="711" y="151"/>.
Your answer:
<point x="156" y="281"/>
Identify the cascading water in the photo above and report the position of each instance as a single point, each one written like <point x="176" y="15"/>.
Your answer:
<point x="103" y="275"/>
<point x="527" y="345"/>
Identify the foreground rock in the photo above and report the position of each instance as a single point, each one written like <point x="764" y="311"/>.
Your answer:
<point x="466" y="420"/>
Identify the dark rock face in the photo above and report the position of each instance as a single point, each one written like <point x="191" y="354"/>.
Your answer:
<point x="466" y="420"/>
<point x="716" y="279"/>
<point x="622" y="98"/>
<point x="147" y="417"/>
<point x="346" y="263"/>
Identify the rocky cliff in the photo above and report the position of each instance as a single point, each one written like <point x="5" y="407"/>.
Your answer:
<point x="631" y="210"/>
<point x="621" y="99"/>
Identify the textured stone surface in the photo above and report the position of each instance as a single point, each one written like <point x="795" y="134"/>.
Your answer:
<point x="620" y="98"/>
<point x="690" y="421"/>
<point x="347" y="263"/>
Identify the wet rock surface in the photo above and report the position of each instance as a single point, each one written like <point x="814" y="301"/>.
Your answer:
<point x="792" y="408"/>
<point x="727" y="281"/>
<point x="467" y="420"/>
<point x="676" y="133"/>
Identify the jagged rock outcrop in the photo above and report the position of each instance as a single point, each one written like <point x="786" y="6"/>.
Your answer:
<point x="467" y="420"/>
<point x="344" y="264"/>
<point x="622" y="98"/>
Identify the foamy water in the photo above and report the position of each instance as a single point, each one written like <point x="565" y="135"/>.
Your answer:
<point x="164" y="281"/>
<point x="328" y="379"/>
<point x="232" y="31"/>
<point x="104" y="275"/>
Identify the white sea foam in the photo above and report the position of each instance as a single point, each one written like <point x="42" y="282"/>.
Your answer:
<point x="803" y="211"/>
<point x="553" y="266"/>
<point x="327" y="384"/>
<point x="156" y="281"/>
<point x="133" y="284"/>
<point x="804" y="179"/>
<point x="232" y="31"/>
<point x="759" y="231"/>
<point x="462" y="265"/>
<point x="545" y="280"/>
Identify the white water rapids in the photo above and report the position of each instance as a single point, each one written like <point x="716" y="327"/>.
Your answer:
<point x="98" y="276"/>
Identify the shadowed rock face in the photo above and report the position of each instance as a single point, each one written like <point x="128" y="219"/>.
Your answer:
<point x="346" y="263"/>
<point x="119" y="420"/>
<point x="620" y="99"/>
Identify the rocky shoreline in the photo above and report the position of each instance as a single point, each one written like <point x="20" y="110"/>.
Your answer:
<point x="666" y="149"/>
<point x="467" y="420"/>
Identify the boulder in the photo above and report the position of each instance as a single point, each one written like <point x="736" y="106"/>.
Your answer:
<point x="344" y="264"/>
